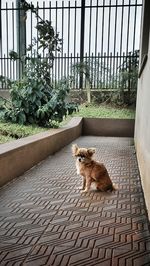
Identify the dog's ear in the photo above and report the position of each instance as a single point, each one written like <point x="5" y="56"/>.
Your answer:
<point x="91" y="151"/>
<point x="74" y="149"/>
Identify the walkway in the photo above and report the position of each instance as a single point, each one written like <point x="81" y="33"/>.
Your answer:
<point x="46" y="220"/>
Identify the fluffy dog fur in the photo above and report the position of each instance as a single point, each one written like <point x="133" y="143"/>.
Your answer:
<point x="91" y="170"/>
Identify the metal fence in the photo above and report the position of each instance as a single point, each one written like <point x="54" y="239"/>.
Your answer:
<point x="101" y="34"/>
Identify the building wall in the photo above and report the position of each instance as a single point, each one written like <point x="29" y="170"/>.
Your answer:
<point x="142" y="122"/>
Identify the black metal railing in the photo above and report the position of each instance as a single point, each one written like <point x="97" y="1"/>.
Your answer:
<point x="103" y="35"/>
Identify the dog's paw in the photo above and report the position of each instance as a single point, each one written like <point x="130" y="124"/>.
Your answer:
<point x="81" y="188"/>
<point x="85" y="190"/>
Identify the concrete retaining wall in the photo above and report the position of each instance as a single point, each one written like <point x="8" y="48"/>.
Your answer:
<point x="18" y="156"/>
<point x="108" y="127"/>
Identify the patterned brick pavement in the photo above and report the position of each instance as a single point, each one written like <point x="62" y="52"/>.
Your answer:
<point x="46" y="220"/>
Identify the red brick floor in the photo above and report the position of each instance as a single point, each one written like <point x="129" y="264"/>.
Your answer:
<point x="46" y="220"/>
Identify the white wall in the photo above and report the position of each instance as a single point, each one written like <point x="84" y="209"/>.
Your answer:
<point x="142" y="129"/>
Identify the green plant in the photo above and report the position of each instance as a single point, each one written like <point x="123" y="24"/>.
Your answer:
<point x="5" y="82"/>
<point x="35" y="102"/>
<point x="94" y="71"/>
<point x="34" y="99"/>
<point x="83" y="69"/>
<point x="119" y="88"/>
<point x="127" y="79"/>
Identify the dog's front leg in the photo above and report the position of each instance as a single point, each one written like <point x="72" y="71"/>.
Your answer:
<point x="84" y="183"/>
<point x="88" y="184"/>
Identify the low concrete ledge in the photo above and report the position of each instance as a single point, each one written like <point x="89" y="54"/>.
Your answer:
<point x="108" y="127"/>
<point x="18" y="156"/>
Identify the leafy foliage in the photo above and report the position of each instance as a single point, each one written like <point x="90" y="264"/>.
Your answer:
<point x="93" y="70"/>
<point x="5" y="82"/>
<point x="35" y="102"/>
<point x="129" y="76"/>
<point x="34" y="99"/>
<point x="118" y="86"/>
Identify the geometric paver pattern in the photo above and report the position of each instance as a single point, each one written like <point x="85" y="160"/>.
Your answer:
<point x="46" y="220"/>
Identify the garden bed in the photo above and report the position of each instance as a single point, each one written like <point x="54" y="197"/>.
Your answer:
<point x="10" y="131"/>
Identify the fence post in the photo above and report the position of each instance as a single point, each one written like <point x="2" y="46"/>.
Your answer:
<point x="21" y="36"/>
<point x="82" y="40"/>
<point x="129" y="77"/>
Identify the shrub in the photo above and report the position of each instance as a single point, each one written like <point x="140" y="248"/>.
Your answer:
<point x="34" y="99"/>
<point x="35" y="102"/>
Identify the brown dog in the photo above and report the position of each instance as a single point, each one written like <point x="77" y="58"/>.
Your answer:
<point x="91" y="170"/>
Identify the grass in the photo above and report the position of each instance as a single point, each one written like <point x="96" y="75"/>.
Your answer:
<point x="102" y="111"/>
<point x="9" y="131"/>
<point x="105" y="111"/>
<point x="4" y="139"/>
